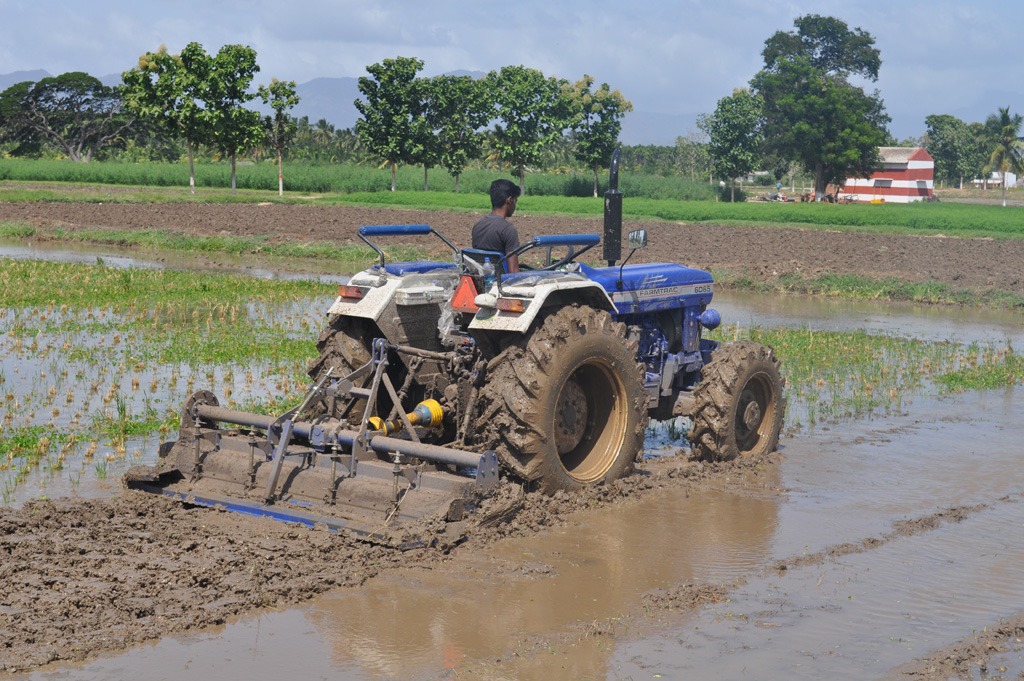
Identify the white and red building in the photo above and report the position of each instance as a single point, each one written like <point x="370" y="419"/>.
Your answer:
<point x="907" y="175"/>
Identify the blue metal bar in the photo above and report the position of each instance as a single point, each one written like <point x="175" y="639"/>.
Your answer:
<point x="394" y="230"/>
<point x="566" y="240"/>
<point x="258" y="510"/>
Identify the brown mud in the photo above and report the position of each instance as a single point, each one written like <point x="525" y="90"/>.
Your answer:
<point x="765" y="254"/>
<point x="83" y="577"/>
<point x="88" y="577"/>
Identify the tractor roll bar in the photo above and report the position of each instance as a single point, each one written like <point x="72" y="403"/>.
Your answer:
<point x="588" y="241"/>
<point x="367" y="231"/>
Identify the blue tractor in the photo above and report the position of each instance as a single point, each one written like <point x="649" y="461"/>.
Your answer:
<point x="433" y="377"/>
<point x="560" y="367"/>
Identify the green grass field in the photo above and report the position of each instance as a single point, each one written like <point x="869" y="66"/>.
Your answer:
<point x="646" y="197"/>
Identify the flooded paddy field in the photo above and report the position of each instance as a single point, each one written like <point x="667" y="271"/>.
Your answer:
<point x="884" y="540"/>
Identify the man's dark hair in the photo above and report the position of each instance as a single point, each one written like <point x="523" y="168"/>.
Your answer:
<point x="501" y="191"/>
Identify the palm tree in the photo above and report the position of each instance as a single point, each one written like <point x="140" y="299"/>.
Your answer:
<point x="1002" y="131"/>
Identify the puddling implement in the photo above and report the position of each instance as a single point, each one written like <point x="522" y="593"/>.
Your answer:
<point x="310" y="468"/>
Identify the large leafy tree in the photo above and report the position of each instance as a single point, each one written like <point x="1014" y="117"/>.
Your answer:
<point x="812" y="112"/>
<point x="235" y="128"/>
<point x="531" y="111"/>
<point x="73" y="112"/>
<point x="949" y="143"/>
<point x="829" y="45"/>
<point x="597" y="113"/>
<point x="1003" y="138"/>
<point x="457" y="110"/>
<point x="280" y="127"/>
<point x="390" y="107"/>
<point x="735" y="137"/>
<point x="169" y="89"/>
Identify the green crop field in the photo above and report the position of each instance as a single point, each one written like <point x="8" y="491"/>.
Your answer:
<point x="647" y="197"/>
<point x="92" y="379"/>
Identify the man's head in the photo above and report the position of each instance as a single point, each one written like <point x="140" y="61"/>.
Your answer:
<point x="504" y="194"/>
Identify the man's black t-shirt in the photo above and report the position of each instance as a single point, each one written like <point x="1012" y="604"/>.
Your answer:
<point x="495" y="233"/>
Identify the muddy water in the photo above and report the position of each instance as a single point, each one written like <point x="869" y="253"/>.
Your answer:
<point x="859" y="615"/>
<point x="527" y="608"/>
<point x="42" y="386"/>
<point x="928" y="322"/>
<point x="255" y="266"/>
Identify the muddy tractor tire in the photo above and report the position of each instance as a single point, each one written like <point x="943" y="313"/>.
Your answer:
<point x="739" y="404"/>
<point x="344" y="344"/>
<point x="565" y="406"/>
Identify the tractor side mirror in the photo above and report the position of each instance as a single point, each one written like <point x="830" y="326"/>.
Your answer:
<point x="637" y="239"/>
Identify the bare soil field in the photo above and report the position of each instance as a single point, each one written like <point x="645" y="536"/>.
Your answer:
<point x="83" y="578"/>
<point x="764" y="253"/>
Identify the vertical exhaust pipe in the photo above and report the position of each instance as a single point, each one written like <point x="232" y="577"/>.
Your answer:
<point x="613" y="213"/>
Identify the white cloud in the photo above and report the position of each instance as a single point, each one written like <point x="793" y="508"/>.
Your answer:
<point x="668" y="56"/>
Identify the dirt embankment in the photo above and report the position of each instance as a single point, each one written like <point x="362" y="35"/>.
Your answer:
<point x="764" y="253"/>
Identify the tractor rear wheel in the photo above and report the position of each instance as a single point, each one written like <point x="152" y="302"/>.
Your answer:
<point x="565" y="406"/>
<point x="344" y="345"/>
<point x="739" y="405"/>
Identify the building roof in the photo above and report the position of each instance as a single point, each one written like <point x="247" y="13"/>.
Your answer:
<point x="903" y="154"/>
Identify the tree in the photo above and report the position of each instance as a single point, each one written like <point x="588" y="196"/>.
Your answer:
<point x="949" y="143"/>
<point x="281" y="127"/>
<point x="596" y="131"/>
<point x="704" y="125"/>
<point x="828" y="44"/>
<point x="390" y="106"/>
<point x="735" y="138"/>
<point x="234" y="128"/>
<point x="812" y="113"/>
<point x="427" y="148"/>
<point x="169" y="89"/>
<point x="979" y="151"/>
<point x="457" y="109"/>
<point x="74" y="112"/>
<point x="1002" y="133"/>
<point x="532" y="110"/>
<point x="693" y="149"/>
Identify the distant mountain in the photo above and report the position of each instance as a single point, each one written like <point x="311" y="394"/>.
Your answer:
<point x="9" y="79"/>
<point x="330" y="98"/>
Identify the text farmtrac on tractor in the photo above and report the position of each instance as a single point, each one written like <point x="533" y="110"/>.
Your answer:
<point x="434" y="378"/>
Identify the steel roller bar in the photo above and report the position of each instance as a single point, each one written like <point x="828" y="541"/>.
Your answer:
<point x="379" y="443"/>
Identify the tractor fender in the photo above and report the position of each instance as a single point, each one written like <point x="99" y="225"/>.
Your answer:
<point x="559" y="293"/>
<point x="374" y="301"/>
<point x="378" y="293"/>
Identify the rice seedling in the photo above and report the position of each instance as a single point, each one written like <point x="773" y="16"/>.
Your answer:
<point x="250" y="340"/>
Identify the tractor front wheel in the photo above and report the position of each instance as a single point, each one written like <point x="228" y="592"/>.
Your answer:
<point x="739" y="405"/>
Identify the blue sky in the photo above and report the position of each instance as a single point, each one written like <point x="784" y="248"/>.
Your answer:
<point x="669" y="57"/>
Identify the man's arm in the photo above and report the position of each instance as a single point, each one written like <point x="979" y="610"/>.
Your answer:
<point x="513" y="263"/>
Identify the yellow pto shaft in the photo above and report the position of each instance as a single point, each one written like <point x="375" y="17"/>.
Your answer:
<point x="427" y="413"/>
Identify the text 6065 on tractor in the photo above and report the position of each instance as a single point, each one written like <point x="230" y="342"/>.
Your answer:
<point x="432" y="376"/>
